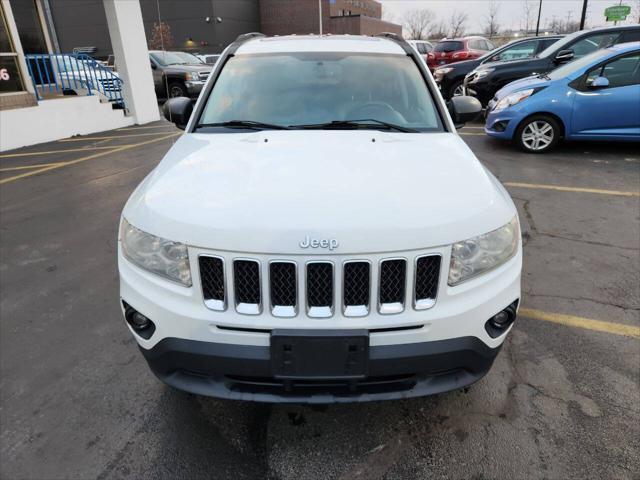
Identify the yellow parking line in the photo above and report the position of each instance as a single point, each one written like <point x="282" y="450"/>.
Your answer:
<point x="27" y="167"/>
<point x="86" y="139"/>
<point x="471" y="133"/>
<point x="166" y="125"/>
<point x="572" y="189"/>
<point x="580" y="322"/>
<point x="88" y="157"/>
<point x="51" y="152"/>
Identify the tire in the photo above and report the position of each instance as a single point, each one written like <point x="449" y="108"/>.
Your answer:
<point x="458" y="86"/>
<point x="176" y="89"/>
<point x="538" y="134"/>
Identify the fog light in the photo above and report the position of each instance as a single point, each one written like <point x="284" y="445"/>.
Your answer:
<point x="498" y="321"/>
<point x="139" y="321"/>
<point x="501" y="321"/>
<point x="140" y="324"/>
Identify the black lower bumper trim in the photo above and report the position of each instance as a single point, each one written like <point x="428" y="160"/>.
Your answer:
<point x="243" y="372"/>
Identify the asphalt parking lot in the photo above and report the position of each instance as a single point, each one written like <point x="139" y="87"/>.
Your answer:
<point x="78" y="401"/>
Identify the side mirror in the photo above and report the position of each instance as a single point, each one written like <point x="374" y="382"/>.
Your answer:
<point x="153" y="66"/>
<point x="178" y="110"/>
<point x="564" y="56"/>
<point x="599" y="82"/>
<point x="464" y="109"/>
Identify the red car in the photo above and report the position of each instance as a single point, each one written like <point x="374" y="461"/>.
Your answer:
<point x="457" y="49"/>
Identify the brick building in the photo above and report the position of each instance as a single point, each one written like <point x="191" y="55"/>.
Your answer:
<point x="355" y="17"/>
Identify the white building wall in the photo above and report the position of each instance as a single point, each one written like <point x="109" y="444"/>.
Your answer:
<point x="59" y="118"/>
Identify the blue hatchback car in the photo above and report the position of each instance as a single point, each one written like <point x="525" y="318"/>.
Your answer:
<point x="596" y="97"/>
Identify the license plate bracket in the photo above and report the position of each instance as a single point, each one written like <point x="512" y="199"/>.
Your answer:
<point x="319" y="354"/>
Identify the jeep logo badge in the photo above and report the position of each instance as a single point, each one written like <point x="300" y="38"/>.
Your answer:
<point x="330" y="243"/>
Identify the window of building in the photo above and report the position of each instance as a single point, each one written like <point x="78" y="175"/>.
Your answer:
<point x="10" y="78"/>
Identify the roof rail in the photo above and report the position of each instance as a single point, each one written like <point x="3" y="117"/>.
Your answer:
<point x="394" y="37"/>
<point x="248" y="36"/>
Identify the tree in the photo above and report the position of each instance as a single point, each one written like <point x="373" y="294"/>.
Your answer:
<point x="457" y="24"/>
<point x="161" y="37"/>
<point x="437" y="30"/>
<point x="492" y="25"/>
<point x="417" y="22"/>
<point x="527" y="15"/>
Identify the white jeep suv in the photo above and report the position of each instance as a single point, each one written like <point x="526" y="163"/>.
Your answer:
<point x="320" y="233"/>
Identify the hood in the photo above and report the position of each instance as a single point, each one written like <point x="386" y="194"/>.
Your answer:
<point x="523" y="84"/>
<point x="264" y="192"/>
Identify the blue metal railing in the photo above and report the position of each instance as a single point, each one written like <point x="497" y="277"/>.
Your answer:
<point x="79" y="73"/>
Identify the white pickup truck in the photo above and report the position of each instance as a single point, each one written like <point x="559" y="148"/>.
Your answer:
<point x="320" y="233"/>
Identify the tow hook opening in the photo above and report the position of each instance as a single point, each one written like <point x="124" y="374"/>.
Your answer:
<point x="501" y="321"/>
<point x="140" y="324"/>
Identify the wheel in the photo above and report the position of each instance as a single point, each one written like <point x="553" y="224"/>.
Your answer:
<point x="456" y="90"/>
<point x="177" y="89"/>
<point x="538" y="134"/>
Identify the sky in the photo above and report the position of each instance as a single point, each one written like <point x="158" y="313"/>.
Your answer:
<point x="510" y="11"/>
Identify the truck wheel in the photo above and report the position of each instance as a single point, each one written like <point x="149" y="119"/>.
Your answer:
<point x="538" y="134"/>
<point x="177" y="89"/>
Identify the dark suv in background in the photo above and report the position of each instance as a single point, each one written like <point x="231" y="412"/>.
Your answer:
<point x="488" y="78"/>
<point x="456" y="50"/>
<point x="450" y="78"/>
<point x="178" y="74"/>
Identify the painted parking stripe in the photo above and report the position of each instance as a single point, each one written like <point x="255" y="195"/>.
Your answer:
<point x="561" y="188"/>
<point x="581" y="322"/>
<point x="27" y="167"/>
<point x="88" y="157"/>
<point x="167" y="125"/>
<point x="110" y="137"/>
<point x="471" y="133"/>
<point x="52" y="152"/>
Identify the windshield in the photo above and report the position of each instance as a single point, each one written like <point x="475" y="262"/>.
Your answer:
<point x="189" y="58"/>
<point x="65" y="63"/>
<point x="170" y="58"/>
<point x="293" y="89"/>
<point x="448" y="46"/>
<point x="571" y="67"/>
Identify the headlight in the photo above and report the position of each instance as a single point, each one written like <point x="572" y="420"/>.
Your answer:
<point x="484" y="252"/>
<point x="443" y="71"/>
<point x="193" y="76"/>
<point x="513" y="98"/>
<point x="155" y="254"/>
<point x="478" y="74"/>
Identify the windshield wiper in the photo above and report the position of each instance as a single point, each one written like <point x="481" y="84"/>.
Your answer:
<point x="368" y="123"/>
<point x="245" y="124"/>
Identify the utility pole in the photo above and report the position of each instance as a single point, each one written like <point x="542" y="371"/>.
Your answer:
<point x="584" y="14"/>
<point x="538" y="24"/>
<point x="320" y="14"/>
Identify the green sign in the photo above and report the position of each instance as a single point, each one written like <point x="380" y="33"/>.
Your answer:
<point x="617" y="13"/>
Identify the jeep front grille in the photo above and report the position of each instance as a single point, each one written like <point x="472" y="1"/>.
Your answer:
<point x="354" y="285"/>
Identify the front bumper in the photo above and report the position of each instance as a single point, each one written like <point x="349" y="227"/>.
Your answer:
<point x="243" y="372"/>
<point x="194" y="87"/>
<point x="503" y="123"/>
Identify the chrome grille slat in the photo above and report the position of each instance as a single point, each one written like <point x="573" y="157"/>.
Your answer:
<point x="212" y="280"/>
<point x="320" y="287"/>
<point x="356" y="288"/>
<point x="283" y="288"/>
<point x="427" y="273"/>
<point x="392" y="285"/>
<point x="247" y="286"/>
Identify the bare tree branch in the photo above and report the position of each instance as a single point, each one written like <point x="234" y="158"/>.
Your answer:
<point x="492" y="25"/>
<point x="416" y="23"/>
<point x="457" y="24"/>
